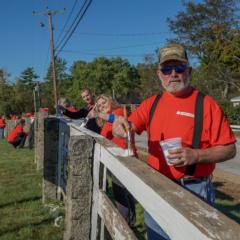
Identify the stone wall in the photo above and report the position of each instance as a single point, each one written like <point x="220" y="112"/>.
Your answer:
<point x="79" y="188"/>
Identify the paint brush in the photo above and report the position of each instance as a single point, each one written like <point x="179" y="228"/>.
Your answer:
<point x="86" y="119"/>
<point x="128" y="138"/>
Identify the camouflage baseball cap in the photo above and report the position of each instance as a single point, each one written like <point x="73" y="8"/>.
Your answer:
<point x="173" y="52"/>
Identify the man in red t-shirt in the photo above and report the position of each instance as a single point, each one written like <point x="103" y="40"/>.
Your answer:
<point x="174" y="117"/>
<point x="2" y="126"/>
<point x="17" y="136"/>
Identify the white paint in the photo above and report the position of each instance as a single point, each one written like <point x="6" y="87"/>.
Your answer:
<point x="177" y="227"/>
<point x="96" y="166"/>
<point x="116" y="151"/>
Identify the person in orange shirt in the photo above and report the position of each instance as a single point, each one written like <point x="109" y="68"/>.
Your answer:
<point x="105" y="111"/>
<point x="17" y="136"/>
<point x="13" y="117"/>
<point x="178" y="112"/>
<point x="2" y="126"/>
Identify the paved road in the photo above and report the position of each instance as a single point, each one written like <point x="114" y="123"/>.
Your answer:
<point x="232" y="166"/>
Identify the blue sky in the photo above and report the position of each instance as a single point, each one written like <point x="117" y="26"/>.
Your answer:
<point x="126" y="28"/>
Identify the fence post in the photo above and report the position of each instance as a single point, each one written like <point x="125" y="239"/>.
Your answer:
<point x="39" y="144"/>
<point x="50" y="160"/>
<point x="79" y="188"/>
<point x="26" y="129"/>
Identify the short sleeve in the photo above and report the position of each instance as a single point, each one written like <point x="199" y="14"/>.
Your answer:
<point x="141" y="115"/>
<point x="216" y="125"/>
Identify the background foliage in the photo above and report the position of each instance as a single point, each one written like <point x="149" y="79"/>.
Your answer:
<point x="210" y="31"/>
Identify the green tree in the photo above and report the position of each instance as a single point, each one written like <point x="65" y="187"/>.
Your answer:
<point x="63" y="83"/>
<point x="7" y="102"/>
<point x="150" y="84"/>
<point x="210" y="30"/>
<point x="23" y="90"/>
<point x="104" y="75"/>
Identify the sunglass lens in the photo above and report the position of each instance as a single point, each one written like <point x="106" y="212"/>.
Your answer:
<point x="180" y="68"/>
<point x="166" y="70"/>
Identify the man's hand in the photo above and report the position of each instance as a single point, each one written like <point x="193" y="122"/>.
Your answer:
<point x="120" y="127"/>
<point x="187" y="156"/>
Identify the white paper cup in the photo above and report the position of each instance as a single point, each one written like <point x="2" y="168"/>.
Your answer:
<point x="170" y="143"/>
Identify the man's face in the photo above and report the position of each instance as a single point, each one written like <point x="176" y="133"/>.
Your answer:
<point x="87" y="97"/>
<point x="174" y="76"/>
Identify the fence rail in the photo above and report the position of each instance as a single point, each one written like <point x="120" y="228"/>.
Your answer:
<point x="235" y="128"/>
<point x="88" y="208"/>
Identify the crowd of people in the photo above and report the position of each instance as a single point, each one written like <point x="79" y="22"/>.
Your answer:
<point x="17" y="134"/>
<point x="181" y="111"/>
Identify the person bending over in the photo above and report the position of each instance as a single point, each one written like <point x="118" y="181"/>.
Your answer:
<point x="17" y="136"/>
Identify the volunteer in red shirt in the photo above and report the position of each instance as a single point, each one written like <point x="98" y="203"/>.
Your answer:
<point x="106" y="110"/>
<point x="89" y="102"/>
<point x="17" y="136"/>
<point x="174" y="117"/>
<point x="2" y="126"/>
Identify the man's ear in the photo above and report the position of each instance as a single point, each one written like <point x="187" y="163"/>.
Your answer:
<point x="158" y="73"/>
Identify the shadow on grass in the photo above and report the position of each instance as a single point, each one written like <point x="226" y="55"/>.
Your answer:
<point x="36" y="224"/>
<point x="21" y="201"/>
<point x="227" y="208"/>
<point x="139" y="234"/>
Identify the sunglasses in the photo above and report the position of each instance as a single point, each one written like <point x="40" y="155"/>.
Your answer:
<point x="179" y="68"/>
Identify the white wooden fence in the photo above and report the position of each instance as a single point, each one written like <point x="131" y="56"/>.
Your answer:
<point x="182" y="215"/>
<point x="235" y="128"/>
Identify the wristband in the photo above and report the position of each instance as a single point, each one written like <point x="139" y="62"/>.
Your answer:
<point x="111" y="118"/>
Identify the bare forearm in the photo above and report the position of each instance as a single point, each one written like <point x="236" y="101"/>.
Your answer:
<point x="216" y="154"/>
<point x="188" y="156"/>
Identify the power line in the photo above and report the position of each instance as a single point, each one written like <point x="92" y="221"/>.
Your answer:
<point x="110" y="55"/>
<point x="72" y="25"/>
<point x="74" y="28"/>
<point x="143" y="34"/>
<point x="68" y="18"/>
<point x="128" y="46"/>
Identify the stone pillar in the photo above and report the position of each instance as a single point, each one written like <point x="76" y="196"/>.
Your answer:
<point x="79" y="188"/>
<point x="39" y="144"/>
<point x="50" y="160"/>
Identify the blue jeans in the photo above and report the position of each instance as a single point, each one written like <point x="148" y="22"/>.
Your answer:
<point x="1" y="133"/>
<point x="203" y="189"/>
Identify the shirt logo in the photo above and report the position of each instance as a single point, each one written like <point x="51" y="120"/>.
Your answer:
<point x="185" y="114"/>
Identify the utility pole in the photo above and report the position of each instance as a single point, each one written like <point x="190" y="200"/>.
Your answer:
<point x="49" y="14"/>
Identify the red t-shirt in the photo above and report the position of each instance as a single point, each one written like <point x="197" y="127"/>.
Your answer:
<point x="14" y="117"/>
<point x="13" y="134"/>
<point x="107" y="131"/>
<point x="2" y="123"/>
<point x="174" y="117"/>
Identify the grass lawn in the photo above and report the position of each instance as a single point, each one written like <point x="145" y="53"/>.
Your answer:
<point x="23" y="216"/>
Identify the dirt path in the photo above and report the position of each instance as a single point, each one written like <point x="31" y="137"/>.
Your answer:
<point x="228" y="184"/>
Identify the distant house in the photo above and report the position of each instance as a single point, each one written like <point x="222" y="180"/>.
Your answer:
<point x="235" y="101"/>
